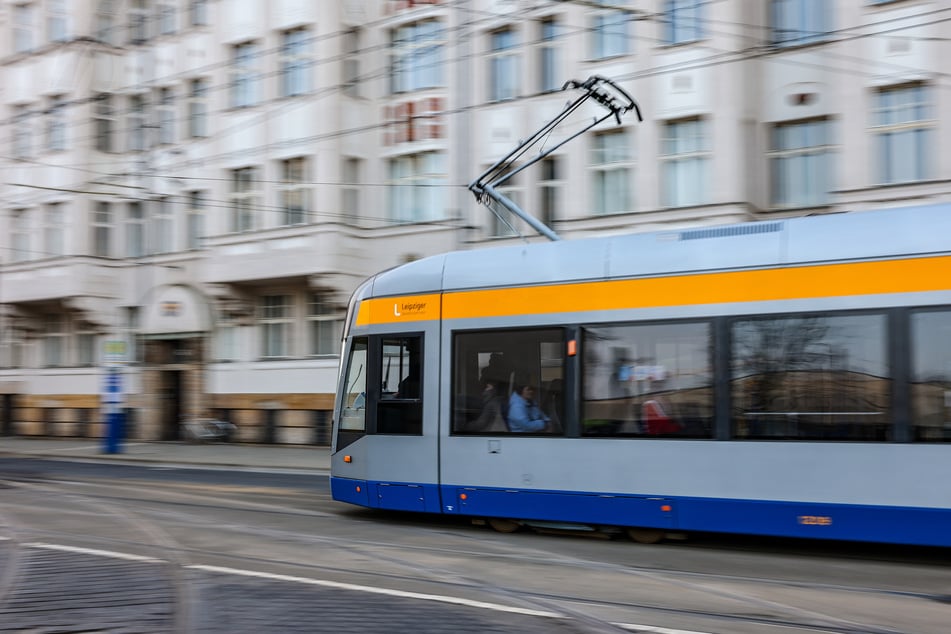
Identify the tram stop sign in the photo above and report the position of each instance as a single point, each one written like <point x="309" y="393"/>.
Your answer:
<point x="114" y="351"/>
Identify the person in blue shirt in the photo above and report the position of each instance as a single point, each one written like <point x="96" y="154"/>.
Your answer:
<point x="524" y="413"/>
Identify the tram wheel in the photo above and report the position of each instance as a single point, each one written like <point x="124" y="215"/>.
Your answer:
<point x="503" y="525"/>
<point x="645" y="535"/>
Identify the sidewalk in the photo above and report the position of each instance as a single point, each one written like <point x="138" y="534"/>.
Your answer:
<point x="214" y="455"/>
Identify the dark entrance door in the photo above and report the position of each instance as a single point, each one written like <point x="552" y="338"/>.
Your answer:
<point x="6" y="414"/>
<point x="171" y="404"/>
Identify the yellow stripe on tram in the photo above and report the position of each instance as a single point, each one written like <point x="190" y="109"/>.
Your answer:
<point x="802" y="282"/>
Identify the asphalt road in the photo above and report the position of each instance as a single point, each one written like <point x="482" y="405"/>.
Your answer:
<point x="130" y="548"/>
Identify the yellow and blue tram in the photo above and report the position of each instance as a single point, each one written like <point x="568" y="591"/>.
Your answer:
<point x="788" y="378"/>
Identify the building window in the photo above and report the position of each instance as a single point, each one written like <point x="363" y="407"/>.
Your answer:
<point x="166" y="115"/>
<point x="243" y="198"/>
<point x="295" y="62"/>
<point x="324" y="324"/>
<point x="503" y="222"/>
<point x="136" y="130"/>
<point x="811" y="378"/>
<point x="56" y="124"/>
<point x="684" y="21"/>
<point x="138" y="21"/>
<point x="54" y="223"/>
<point x="196" y="219"/>
<point x="86" y="349"/>
<point x="797" y="22"/>
<point x="904" y="133"/>
<point x="244" y="59"/>
<point x="293" y="192"/>
<point x="22" y="133"/>
<point x="22" y="27"/>
<point x="135" y="230"/>
<point x="686" y="163"/>
<point x="166" y="17"/>
<point x="56" y="18"/>
<point x="20" y="235"/>
<point x="609" y="30"/>
<point x="226" y="341"/>
<point x="351" y="63"/>
<point x="416" y="186"/>
<point x="103" y="122"/>
<point x="416" y="56"/>
<point x="102" y="230"/>
<point x="548" y="56"/>
<point x="11" y="345"/>
<point x="612" y="167"/>
<point x="197" y="108"/>
<point x="550" y="186"/>
<point x="800" y="165"/>
<point x="275" y="320"/>
<point x="105" y="22"/>
<point x="350" y="188"/>
<point x="162" y="223"/>
<point x="503" y="65"/>
<point x="198" y="12"/>
<point x="54" y="337"/>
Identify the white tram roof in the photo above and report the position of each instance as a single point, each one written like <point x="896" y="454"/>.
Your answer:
<point x="822" y="238"/>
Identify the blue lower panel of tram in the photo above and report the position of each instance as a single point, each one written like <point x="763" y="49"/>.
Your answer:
<point x="886" y="524"/>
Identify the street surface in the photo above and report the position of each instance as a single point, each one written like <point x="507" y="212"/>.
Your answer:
<point x="145" y="549"/>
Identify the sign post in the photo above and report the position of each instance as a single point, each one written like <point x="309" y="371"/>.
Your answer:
<point x="112" y="396"/>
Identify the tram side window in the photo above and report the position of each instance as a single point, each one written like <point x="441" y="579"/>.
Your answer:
<point x="648" y="380"/>
<point x="931" y="376"/>
<point x="400" y="409"/>
<point x="811" y="377"/>
<point x="354" y="408"/>
<point x="508" y="381"/>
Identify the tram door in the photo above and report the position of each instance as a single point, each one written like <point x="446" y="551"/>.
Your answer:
<point x="400" y="427"/>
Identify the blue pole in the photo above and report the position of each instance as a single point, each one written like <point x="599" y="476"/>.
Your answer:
<point x="114" y="415"/>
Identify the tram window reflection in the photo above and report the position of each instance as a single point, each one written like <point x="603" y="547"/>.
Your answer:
<point x="931" y="375"/>
<point x="490" y="366"/>
<point x="816" y="377"/>
<point x="353" y="412"/>
<point x="648" y="380"/>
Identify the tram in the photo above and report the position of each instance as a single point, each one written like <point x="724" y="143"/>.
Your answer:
<point x="785" y="378"/>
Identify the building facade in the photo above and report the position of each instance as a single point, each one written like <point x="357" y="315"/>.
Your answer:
<point x="193" y="188"/>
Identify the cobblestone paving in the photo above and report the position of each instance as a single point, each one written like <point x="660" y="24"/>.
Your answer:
<point x="69" y="593"/>
<point x="58" y="593"/>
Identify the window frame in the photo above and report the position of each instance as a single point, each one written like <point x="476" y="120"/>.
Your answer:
<point x="672" y="157"/>
<point x="503" y="61"/>
<point x="243" y="198"/>
<point x="295" y="62"/>
<point x="468" y="385"/>
<point x="884" y="170"/>
<point x="604" y="42"/>
<point x="814" y="160"/>
<point x="294" y="185"/>
<point x="104" y="120"/>
<point x="548" y="52"/>
<point x="676" y="13"/>
<point x="275" y="320"/>
<point x="416" y="185"/>
<point x="791" y="22"/>
<point x="891" y="378"/>
<point x="103" y="223"/>
<point x="615" y="163"/>
<point x="661" y="407"/>
<point x="416" y="56"/>
<point x="243" y="71"/>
